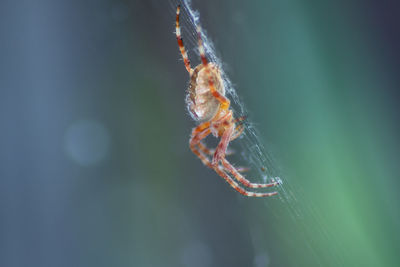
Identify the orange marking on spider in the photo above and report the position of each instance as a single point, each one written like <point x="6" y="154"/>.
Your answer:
<point x="208" y="104"/>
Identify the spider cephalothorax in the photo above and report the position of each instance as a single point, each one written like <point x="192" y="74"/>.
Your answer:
<point x="208" y="104"/>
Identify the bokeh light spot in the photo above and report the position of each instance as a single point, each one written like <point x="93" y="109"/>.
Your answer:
<point x="87" y="142"/>
<point x="261" y="260"/>
<point x="196" y="254"/>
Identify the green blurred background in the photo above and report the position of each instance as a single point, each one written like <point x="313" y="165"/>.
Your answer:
<point x="95" y="165"/>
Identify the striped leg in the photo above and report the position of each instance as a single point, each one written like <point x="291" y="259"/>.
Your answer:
<point x="218" y="169"/>
<point x="205" y="149"/>
<point x="238" y="132"/>
<point x="180" y="42"/>
<point x="243" y="180"/>
<point x="195" y="140"/>
<point x="219" y="156"/>
<point x="239" y="129"/>
<point x="199" y="133"/>
<point x="221" y="150"/>
<point x="211" y="152"/>
<point x="222" y="146"/>
<point x="239" y="188"/>
<point x="240" y="119"/>
<point x="221" y="98"/>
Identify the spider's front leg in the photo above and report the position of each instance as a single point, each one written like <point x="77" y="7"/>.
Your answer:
<point x="211" y="152"/>
<point x="198" y="134"/>
<point x="220" y="151"/>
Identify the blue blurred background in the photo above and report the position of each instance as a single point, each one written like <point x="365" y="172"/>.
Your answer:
<point x="95" y="165"/>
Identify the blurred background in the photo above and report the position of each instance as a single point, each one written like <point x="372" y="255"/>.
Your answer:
<point x="95" y="166"/>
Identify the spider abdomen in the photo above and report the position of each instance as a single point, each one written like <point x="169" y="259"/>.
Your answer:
<point x="201" y="103"/>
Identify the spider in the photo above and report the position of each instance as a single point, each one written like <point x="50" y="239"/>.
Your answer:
<point x="208" y="105"/>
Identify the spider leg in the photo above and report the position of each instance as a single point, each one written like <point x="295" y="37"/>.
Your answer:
<point x="202" y="132"/>
<point x="219" y="156"/>
<point x="238" y="132"/>
<point x="199" y="133"/>
<point x="195" y="140"/>
<point x="238" y="188"/>
<point x="203" y="148"/>
<point x="201" y="47"/>
<point x="180" y="42"/>
<point x="240" y="119"/>
<point x="220" y="151"/>
<point x="210" y="152"/>
<point x="243" y="180"/>
<point x="239" y="129"/>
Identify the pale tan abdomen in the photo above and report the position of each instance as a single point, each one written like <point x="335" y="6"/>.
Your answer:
<point x="201" y="103"/>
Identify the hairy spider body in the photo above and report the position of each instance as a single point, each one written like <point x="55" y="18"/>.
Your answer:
<point x="207" y="104"/>
<point x="201" y="103"/>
